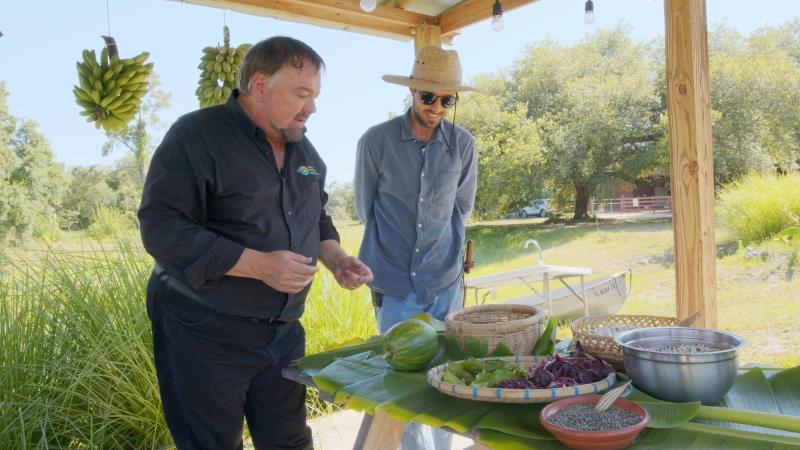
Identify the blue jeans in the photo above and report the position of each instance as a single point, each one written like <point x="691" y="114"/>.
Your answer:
<point x="416" y="435"/>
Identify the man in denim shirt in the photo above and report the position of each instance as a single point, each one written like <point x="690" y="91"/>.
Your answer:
<point x="415" y="183"/>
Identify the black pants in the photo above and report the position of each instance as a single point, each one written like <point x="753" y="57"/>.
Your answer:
<point x="214" y="370"/>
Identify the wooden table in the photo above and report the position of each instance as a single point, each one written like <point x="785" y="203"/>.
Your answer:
<point x="379" y="432"/>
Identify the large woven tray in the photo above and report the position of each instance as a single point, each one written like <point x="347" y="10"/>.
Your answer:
<point x="499" y="395"/>
<point x="600" y="346"/>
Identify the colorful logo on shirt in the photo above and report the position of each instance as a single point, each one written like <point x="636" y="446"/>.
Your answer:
<point x="307" y="170"/>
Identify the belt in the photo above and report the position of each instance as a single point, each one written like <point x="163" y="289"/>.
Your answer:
<point x="165" y="277"/>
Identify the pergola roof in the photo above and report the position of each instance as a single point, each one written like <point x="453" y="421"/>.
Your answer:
<point x="393" y="19"/>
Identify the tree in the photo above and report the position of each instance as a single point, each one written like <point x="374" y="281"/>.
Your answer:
<point x="596" y="111"/>
<point x="31" y="183"/>
<point x="341" y="200"/>
<point x="88" y="187"/>
<point x="755" y="98"/>
<point x="510" y="161"/>
<point x="135" y="137"/>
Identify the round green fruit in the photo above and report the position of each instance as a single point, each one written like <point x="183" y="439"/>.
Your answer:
<point x="410" y="345"/>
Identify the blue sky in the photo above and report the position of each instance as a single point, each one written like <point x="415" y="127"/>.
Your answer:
<point x="44" y="38"/>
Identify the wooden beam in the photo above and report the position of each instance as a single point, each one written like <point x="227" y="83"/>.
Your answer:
<point x="403" y="4"/>
<point x="469" y="12"/>
<point x="691" y="160"/>
<point x="427" y="35"/>
<point x="346" y="13"/>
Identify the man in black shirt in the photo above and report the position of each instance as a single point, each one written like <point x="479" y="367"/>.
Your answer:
<point x="233" y="213"/>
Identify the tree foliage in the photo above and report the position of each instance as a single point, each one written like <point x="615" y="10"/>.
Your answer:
<point x="341" y="200"/>
<point x="568" y="121"/>
<point x="510" y="158"/>
<point x="135" y="137"/>
<point x="755" y="100"/>
<point x="31" y="183"/>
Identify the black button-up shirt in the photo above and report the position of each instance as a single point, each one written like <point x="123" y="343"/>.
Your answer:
<point x="214" y="189"/>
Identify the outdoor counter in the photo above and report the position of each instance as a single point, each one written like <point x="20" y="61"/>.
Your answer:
<point x="353" y="378"/>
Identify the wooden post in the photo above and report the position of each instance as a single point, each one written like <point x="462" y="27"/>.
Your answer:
<point x="691" y="161"/>
<point x="427" y="35"/>
<point x="385" y="432"/>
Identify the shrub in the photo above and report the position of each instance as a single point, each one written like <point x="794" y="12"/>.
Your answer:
<point x="758" y="206"/>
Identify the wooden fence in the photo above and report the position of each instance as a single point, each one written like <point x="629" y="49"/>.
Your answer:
<point x="629" y="205"/>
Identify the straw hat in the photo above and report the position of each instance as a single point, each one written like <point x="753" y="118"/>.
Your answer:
<point x="434" y="70"/>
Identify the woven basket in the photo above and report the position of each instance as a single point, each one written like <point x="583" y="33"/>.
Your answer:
<point x="519" y="327"/>
<point x="604" y="347"/>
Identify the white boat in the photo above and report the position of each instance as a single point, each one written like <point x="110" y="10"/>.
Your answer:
<point x="605" y="295"/>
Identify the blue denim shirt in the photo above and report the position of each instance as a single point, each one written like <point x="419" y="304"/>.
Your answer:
<point x="414" y="200"/>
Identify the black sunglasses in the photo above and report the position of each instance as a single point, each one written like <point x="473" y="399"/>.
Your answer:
<point x="429" y="98"/>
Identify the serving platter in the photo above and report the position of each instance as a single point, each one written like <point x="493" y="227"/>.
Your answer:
<point x="500" y="395"/>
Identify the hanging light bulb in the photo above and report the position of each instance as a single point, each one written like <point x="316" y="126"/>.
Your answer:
<point x="369" y="5"/>
<point x="497" y="16"/>
<point x="589" y="17"/>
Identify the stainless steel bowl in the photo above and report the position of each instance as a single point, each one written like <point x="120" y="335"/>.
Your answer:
<point x="681" y="377"/>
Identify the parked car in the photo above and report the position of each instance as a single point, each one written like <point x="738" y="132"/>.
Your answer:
<point x="539" y="208"/>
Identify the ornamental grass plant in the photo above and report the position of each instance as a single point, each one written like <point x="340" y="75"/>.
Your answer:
<point x="757" y="206"/>
<point x="76" y="364"/>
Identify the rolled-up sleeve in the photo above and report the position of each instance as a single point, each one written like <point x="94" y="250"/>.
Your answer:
<point x="173" y="216"/>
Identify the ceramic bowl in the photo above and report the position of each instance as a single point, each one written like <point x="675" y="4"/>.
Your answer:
<point x="594" y="440"/>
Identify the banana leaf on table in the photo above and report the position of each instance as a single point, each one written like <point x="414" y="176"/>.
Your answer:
<point x="361" y="380"/>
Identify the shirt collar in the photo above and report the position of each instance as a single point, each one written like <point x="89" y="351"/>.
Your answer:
<point x="407" y="135"/>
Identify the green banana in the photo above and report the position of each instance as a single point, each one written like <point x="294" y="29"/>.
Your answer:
<point x="96" y="97"/>
<point x="89" y="59"/>
<point x="86" y="105"/>
<point x="138" y="78"/>
<point x="83" y="69"/>
<point x="104" y="58"/>
<point x="81" y="95"/>
<point x="209" y="50"/>
<point x="125" y="107"/>
<point x="107" y="76"/>
<point x="141" y="58"/>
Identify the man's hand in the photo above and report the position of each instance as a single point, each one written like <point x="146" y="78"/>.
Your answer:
<point x="351" y="273"/>
<point x="282" y="270"/>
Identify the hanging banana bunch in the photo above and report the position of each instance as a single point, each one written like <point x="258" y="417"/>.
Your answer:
<point x="111" y="89"/>
<point x="219" y="71"/>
